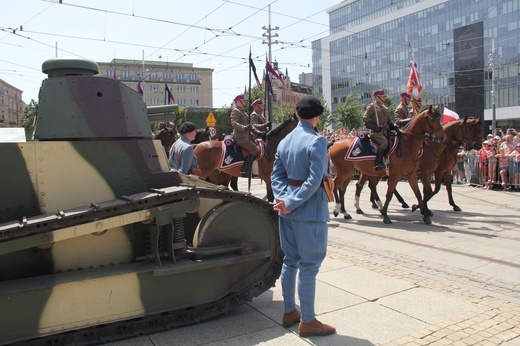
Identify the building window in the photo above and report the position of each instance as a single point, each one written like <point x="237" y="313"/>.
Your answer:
<point x="193" y="76"/>
<point x="179" y="77"/>
<point x="154" y="88"/>
<point x="167" y="76"/>
<point x="194" y="102"/>
<point x="194" y="89"/>
<point x="111" y="73"/>
<point x="154" y="101"/>
<point x="181" y="102"/>
<point x="125" y="74"/>
<point x="181" y="88"/>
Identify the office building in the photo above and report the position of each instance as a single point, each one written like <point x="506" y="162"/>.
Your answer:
<point x="467" y="54"/>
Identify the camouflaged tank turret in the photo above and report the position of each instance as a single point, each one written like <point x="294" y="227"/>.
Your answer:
<point x="99" y="239"/>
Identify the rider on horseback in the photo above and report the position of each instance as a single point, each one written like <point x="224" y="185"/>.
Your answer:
<point x="402" y="113"/>
<point x="376" y="118"/>
<point x="241" y="133"/>
<point x="257" y="118"/>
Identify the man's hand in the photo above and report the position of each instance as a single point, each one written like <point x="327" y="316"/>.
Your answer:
<point x="248" y="127"/>
<point x="280" y="207"/>
<point x="268" y="124"/>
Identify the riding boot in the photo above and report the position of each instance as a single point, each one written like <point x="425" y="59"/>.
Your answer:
<point x="246" y="167"/>
<point x="379" y="159"/>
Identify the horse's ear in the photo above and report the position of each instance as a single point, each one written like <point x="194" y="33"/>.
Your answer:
<point x="465" y="119"/>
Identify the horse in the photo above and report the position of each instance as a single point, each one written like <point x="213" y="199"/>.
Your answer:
<point x="403" y="159"/>
<point x="465" y="133"/>
<point x="469" y="136"/>
<point x="209" y="155"/>
<point x="217" y="177"/>
<point x="167" y="134"/>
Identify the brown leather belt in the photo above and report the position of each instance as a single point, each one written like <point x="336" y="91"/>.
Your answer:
<point x="296" y="182"/>
<point x="299" y="182"/>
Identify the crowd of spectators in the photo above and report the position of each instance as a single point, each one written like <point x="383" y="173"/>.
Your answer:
<point x="495" y="166"/>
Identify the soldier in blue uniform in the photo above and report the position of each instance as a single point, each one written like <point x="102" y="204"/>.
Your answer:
<point x="301" y="201"/>
<point x="181" y="156"/>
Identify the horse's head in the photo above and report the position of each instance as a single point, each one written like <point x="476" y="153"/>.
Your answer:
<point x="472" y="133"/>
<point x="429" y="121"/>
<point x="201" y="135"/>
<point x="166" y="133"/>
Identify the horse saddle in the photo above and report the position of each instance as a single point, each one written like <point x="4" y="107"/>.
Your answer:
<point x="362" y="148"/>
<point x="234" y="155"/>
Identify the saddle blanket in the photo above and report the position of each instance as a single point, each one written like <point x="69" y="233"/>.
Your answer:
<point x="363" y="149"/>
<point x="232" y="155"/>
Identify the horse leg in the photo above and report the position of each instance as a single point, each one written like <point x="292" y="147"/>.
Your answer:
<point x="447" y="180"/>
<point x="372" y="184"/>
<point x="391" y="183"/>
<point x="401" y="199"/>
<point x="427" y="192"/>
<point x="412" y="181"/>
<point x="233" y="183"/>
<point x="359" y="188"/>
<point x="339" y="195"/>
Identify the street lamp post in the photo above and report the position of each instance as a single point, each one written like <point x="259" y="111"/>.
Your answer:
<point x="491" y="60"/>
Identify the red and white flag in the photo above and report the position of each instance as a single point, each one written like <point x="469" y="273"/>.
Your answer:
<point x="449" y="115"/>
<point x="414" y="81"/>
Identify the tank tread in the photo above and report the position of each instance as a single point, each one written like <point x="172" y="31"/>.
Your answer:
<point x="156" y="322"/>
<point x="125" y="204"/>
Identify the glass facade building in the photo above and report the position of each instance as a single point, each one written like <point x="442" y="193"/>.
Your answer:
<point x="464" y="50"/>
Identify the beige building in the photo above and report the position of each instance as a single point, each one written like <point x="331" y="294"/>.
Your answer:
<point x="11" y="105"/>
<point x="189" y="86"/>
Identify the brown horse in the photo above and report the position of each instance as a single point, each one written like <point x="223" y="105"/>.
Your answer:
<point x="217" y="177"/>
<point x="209" y="155"/>
<point x="403" y="160"/>
<point x="437" y="157"/>
<point x="469" y="137"/>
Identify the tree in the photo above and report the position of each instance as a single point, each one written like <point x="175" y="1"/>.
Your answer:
<point x="350" y="113"/>
<point x="326" y="117"/>
<point x="28" y="119"/>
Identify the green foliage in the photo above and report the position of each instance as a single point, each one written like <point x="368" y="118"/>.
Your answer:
<point x="350" y="113"/>
<point x="281" y="113"/>
<point x="28" y="119"/>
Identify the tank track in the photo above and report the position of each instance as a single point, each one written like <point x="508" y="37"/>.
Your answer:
<point x="126" y="204"/>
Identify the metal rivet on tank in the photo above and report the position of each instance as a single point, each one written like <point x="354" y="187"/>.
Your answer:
<point x="45" y="238"/>
<point x="99" y="225"/>
<point x="148" y="214"/>
<point x="42" y="193"/>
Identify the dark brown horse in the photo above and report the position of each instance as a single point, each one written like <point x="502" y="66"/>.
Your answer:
<point x="438" y="158"/>
<point x="403" y="160"/>
<point x="209" y="155"/>
<point x="167" y="134"/>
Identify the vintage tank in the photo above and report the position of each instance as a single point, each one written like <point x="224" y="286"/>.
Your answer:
<point x="100" y="241"/>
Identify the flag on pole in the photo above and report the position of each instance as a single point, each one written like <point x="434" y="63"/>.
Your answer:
<point x="139" y="89"/>
<point x="414" y="80"/>
<point x="253" y="67"/>
<point x="271" y="70"/>
<point x="170" y="95"/>
<point x="268" y="84"/>
<point x="449" y="115"/>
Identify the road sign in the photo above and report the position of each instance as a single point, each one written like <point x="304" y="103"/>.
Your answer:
<point x="213" y="132"/>
<point x="210" y="120"/>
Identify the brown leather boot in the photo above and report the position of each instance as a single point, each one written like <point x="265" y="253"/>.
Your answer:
<point x="291" y="318"/>
<point x="315" y="328"/>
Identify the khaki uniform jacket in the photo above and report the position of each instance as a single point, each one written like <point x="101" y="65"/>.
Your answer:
<point x="378" y="114"/>
<point x="258" y="121"/>
<point x="401" y="112"/>
<point x="239" y="121"/>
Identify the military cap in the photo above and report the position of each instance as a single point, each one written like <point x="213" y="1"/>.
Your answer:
<point x="186" y="127"/>
<point x="239" y="97"/>
<point x="309" y="107"/>
<point x="380" y="93"/>
<point x="406" y="96"/>
<point x="258" y="102"/>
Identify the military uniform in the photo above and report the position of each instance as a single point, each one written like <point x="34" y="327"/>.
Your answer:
<point x="299" y="168"/>
<point x="259" y="123"/>
<point x="402" y="114"/>
<point x="240" y="122"/>
<point x="181" y="156"/>
<point x="378" y="115"/>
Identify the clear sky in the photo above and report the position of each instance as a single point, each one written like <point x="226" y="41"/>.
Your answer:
<point x="213" y="34"/>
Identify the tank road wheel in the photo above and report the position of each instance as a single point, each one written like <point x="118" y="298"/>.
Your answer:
<point x="251" y="230"/>
<point x="234" y="223"/>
